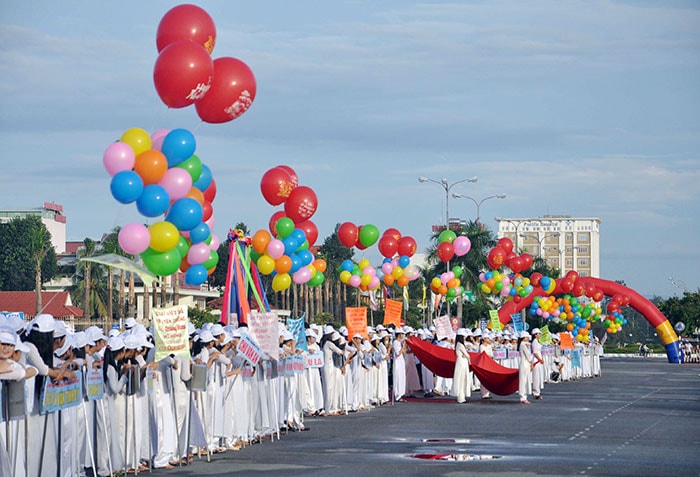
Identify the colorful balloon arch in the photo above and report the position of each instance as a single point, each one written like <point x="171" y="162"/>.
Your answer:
<point x="663" y="328"/>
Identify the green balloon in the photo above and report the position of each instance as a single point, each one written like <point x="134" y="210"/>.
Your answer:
<point x="254" y="256"/>
<point x="316" y="280"/>
<point x="162" y="263"/>
<point x="447" y="236"/>
<point x="304" y="246"/>
<point x="368" y="235"/>
<point x="457" y="270"/>
<point x="193" y="165"/>
<point x="212" y="260"/>
<point x="182" y="246"/>
<point x="284" y="227"/>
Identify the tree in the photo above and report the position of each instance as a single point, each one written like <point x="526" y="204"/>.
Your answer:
<point x="89" y="290"/>
<point x="26" y="247"/>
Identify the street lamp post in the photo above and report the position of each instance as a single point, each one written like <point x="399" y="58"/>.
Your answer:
<point x="447" y="187"/>
<point x="539" y="241"/>
<point x="478" y="203"/>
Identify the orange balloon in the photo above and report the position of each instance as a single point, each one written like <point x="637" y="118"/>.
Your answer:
<point x="283" y="264"/>
<point x="452" y="282"/>
<point x="443" y="290"/>
<point x="260" y="240"/>
<point x="211" y="270"/>
<point x="570" y="327"/>
<point x="197" y="195"/>
<point x="402" y="281"/>
<point x="389" y="279"/>
<point x="320" y="265"/>
<point x="151" y="166"/>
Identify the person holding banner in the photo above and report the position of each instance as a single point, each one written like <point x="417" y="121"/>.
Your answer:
<point x="525" y="368"/>
<point x="462" y="380"/>
<point x="486" y="348"/>
<point x="313" y="402"/>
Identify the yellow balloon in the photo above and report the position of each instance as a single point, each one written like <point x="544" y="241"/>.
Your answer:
<point x="281" y="282"/>
<point x="164" y="236"/>
<point x="313" y="270"/>
<point x="397" y="272"/>
<point x="365" y="279"/>
<point x="266" y="264"/>
<point x="345" y="276"/>
<point x="436" y="282"/>
<point x="138" y="139"/>
<point x="364" y="263"/>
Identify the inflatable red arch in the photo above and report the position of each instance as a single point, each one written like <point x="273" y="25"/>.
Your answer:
<point x="663" y="328"/>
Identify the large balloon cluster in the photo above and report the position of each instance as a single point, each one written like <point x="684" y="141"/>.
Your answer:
<point x="164" y="178"/>
<point x="615" y="319"/>
<point x="448" y="284"/>
<point x="360" y="275"/>
<point x="577" y="314"/>
<point x="283" y="252"/>
<point x="184" y="73"/>
<point x="449" y="245"/>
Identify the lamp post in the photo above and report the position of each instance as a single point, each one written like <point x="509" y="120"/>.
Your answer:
<point x="447" y="187"/>
<point x="478" y="203"/>
<point x="539" y="241"/>
<point x="517" y="225"/>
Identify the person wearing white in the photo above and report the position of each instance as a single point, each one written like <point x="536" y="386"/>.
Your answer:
<point x="486" y="348"/>
<point x="314" y="390"/>
<point x="383" y="375"/>
<point x="525" y="367"/>
<point x="332" y="377"/>
<point x="461" y="380"/>
<point x="537" y="364"/>
<point x="399" y="369"/>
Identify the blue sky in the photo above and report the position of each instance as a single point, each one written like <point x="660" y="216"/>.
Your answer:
<point x="579" y="108"/>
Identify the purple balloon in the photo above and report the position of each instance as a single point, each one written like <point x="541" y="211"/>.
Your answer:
<point x="118" y="156"/>
<point x="177" y="182"/>
<point x="134" y="238"/>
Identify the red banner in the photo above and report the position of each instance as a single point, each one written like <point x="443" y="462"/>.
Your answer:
<point x="392" y="312"/>
<point x="356" y="321"/>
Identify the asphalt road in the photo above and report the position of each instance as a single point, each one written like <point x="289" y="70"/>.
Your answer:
<point x="642" y="417"/>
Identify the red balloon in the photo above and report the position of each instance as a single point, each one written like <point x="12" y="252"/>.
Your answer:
<point x="301" y="204"/>
<point x="274" y="218"/>
<point x="407" y="246"/>
<point x="527" y="260"/>
<point x="276" y="185"/>
<point x="182" y="73"/>
<point x="186" y="22"/>
<point x="394" y="233"/>
<point x="509" y="256"/>
<point x="210" y="193"/>
<point x="310" y="230"/>
<point x="572" y="275"/>
<point x="517" y="264"/>
<point x="388" y="246"/>
<point x="535" y="279"/>
<point x="496" y="258"/>
<point x="578" y="289"/>
<point x="613" y="306"/>
<point x="598" y="295"/>
<point x="348" y="234"/>
<point x="292" y="174"/>
<point x="445" y="251"/>
<point x="506" y="244"/>
<point x="231" y="93"/>
<point x="207" y="211"/>
<point x="566" y="284"/>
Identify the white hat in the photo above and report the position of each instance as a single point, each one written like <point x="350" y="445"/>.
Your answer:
<point x="370" y="329"/>
<point x="380" y="327"/>
<point x="207" y="326"/>
<point x="42" y="323"/>
<point x="95" y="334"/>
<point x="143" y="339"/>
<point x="461" y="332"/>
<point x="399" y="330"/>
<point x="477" y="332"/>
<point x="236" y="333"/>
<point x="217" y="329"/>
<point x="468" y="332"/>
<point x="190" y="328"/>
<point x="432" y="328"/>
<point x="8" y="337"/>
<point x="335" y="336"/>
<point x="205" y="336"/>
<point x="115" y="343"/>
<point x="536" y="331"/>
<point x="227" y="338"/>
<point x="66" y="346"/>
<point x="310" y="333"/>
<point x="130" y="323"/>
<point x="524" y="334"/>
<point x="343" y="329"/>
<point x="341" y="340"/>
<point x="81" y="339"/>
<point x="383" y="334"/>
<point x="328" y="329"/>
<point x="287" y="335"/>
<point x="357" y="335"/>
<point x="14" y="322"/>
<point x="59" y="329"/>
<point x="113" y="332"/>
<point x="132" y="341"/>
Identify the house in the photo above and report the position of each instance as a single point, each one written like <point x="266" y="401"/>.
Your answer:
<point x="57" y="303"/>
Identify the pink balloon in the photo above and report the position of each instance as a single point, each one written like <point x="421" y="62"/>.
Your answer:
<point x="374" y="283"/>
<point x="177" y="182"/>
<point x="157" y="138"/>
<point x="387" y="267"/>
<point x="302" y="275"/>
<point x="211" y="222"/>
<point x="355" y="281"/>
<point x="275" y="249"/>
<point x="134" y="238"/>
<point x="215" y="242"/>
<point x="198" y="253"/>
<point x="461" y="245"/>
<point x="369" y="271"/>
<point x="118" y="156"/>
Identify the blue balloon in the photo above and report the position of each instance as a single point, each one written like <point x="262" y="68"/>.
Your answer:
<point x="204" y="180"/>
<point x="290" y="245"/>
<point x="306" y="257"/>
<point x="347" y="265"/>
<point x="196" y="275"/>
<point x="200" y="233"/>
<point x="185" y="214"/>
<point x="126" y="186"/>
<point x="298" y="235"/>
<point x="404" y="261"/>
<point x="545" y="282"/>
<point x="296" y="263"/>
<point x="386" y="260"/>
<point x="178" y="146"/>
<point x="154" y="201"/>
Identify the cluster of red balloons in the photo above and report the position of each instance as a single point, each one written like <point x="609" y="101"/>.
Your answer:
<point x="393" y="243"/>
<point x="161" y="174"/>
<point x="503" y="254"/>
<point x="449" y="245"/>
<point x="185" y="73"/>
<point x="280" y="185"/>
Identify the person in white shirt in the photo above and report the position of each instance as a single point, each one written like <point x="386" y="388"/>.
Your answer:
<point x="537" y="365"/>
<point x="525" y="367"/>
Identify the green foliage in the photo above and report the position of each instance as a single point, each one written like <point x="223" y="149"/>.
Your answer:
<point x="198" y="316"/>
<point x="23" y="241"/>
<point x="326" y="319"/>
<point x="685" y="309"/>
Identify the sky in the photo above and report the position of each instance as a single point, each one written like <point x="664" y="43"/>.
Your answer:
<point x="581" y="108"/>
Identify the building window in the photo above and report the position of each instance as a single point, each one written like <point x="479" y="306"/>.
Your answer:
<point x="569" y="262"/>
<point x="583" y="237"/>
<point x="569" y="237"/>
<point x="583" y="274"/>
<point x="583" y="249"/>
<point x="583" y="262"/>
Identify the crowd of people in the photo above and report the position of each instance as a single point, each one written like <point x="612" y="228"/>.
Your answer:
<point x="166" y="413"/>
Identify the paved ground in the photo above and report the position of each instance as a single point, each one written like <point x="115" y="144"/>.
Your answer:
<point x="642" y="417"/>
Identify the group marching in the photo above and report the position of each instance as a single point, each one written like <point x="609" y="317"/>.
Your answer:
<point x="93" y="401"/>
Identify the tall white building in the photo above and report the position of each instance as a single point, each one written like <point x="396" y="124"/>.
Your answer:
<point x="51" y="215"/>
<point x="565" y="242"/>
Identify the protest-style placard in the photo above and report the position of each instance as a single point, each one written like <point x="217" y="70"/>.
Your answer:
<point x="392" y="312"/>
<point x="545" y="335"/>
<point x="61" y="395"/>
<point x="566" y="341"/>
<point x="443" y="328"/>
<point x="315" y="360"/>
<point x="170" y="332"/>
<point x="500" y="353"/>
<point x="517" y="319"/>
<point x="356" y="321"/>
<point x="249" y="349"/>
<point x="265" y="331"/>
<point x="296" y="328"/>
<point x="94" y="384"/>
<point x="495" y="322"/>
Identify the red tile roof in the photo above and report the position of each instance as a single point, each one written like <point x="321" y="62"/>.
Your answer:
<point x="57" y="304"/>
<point x="72" y="247"/>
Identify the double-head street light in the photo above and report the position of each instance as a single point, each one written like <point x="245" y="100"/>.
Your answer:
<point x="478" y="203"/>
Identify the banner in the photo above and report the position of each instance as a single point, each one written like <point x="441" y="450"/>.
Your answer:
<point x="249" y="349"/>
<point x="604" y="338"/>
<point x="548" y="351"/>
<point x="356" y="321"/>
<point x="546" y="336"/>
<point x="296" y="327"/>
<point x="57" y="396"/>
<point x="170" y="332"/>
<point x="483" y="324"/>
<point x="495" y="322"/>
<point x="443" y="328"/>
<point x="94" y="384"/>
<point x="265" y="331"/>
<point x="567" y="341"/>
<point x="517" y="320"/>
<point x="392" y="313"/>
<point x="576" y="358"/>
<point x="454" y="322"/>
<point x="315" y="360"/>
<point x="500" y="353"/>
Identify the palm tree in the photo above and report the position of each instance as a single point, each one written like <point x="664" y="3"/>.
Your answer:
<point x="110" y="244"/>
<point x="90" y="289"/>
<point x="39" y="246"/>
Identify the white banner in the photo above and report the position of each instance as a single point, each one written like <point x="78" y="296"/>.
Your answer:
<point x="265" y="331"/>
<point x="443" y="328"/>
<point x="170" y="332"/>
